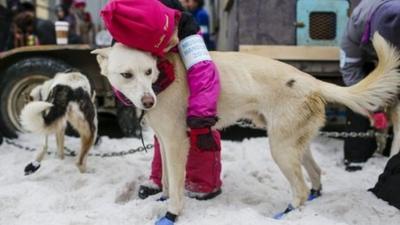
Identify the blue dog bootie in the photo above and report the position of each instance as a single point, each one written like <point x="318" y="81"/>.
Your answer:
<point x="168" y="219"/>
<point x="280" y="215"/>
<point x="164" y="221"/>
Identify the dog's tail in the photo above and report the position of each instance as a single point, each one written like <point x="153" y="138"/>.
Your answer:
<point x="32" y="117"/>
<point x="378" y="89"/>
<point x="45" y="117"/>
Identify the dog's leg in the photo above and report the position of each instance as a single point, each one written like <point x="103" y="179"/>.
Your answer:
<point x="164" y="177"/>
<point x="314" y="173"/>
<point x="41" y="154"/>
<point x="35" y="165"/>
<point x="175" y="148"/>
<point x="87" y="135"/>
<point x="395" y="118"/>
<point x="288" y="157"/>
<point x="86" y="143"/>
<point x="60" y="142"/>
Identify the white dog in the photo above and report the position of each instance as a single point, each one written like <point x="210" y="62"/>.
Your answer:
<point x="290" y="104"/>
<point x="67" y="97"/>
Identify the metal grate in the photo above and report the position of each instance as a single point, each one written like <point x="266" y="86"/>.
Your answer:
<point x="323" y="25"/>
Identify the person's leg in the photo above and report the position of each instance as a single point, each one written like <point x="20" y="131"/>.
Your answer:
<point x="387" y="187"/>
<point x="156" y="167"/>
<point x="153" y="185"/>
<point x="357" y="150"/>
<point x="203" y="171"/>
<point x="204" y="161"/>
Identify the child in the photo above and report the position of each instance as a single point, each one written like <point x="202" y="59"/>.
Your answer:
<point x="151" y="26"/>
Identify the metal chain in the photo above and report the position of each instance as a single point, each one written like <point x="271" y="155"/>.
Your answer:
<point x="71" y="153"/>
<point x="244" y="123"/>
<point x="343" y="134"/>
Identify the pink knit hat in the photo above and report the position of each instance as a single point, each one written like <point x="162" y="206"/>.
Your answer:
<point x="147" y="25"/>
<point x="79" y="3"/>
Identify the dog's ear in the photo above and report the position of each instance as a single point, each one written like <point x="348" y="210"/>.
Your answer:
<point x="102" y="59"/>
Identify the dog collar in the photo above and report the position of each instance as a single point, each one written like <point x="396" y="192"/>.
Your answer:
<point x="121" y="97"/>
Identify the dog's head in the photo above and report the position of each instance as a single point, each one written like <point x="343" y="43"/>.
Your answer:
<point x="130" y="71"/>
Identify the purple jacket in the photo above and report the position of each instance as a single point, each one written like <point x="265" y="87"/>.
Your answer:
<point x="356" y="47"/>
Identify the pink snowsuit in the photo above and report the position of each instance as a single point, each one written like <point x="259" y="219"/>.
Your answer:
<point x="132" y="23"/>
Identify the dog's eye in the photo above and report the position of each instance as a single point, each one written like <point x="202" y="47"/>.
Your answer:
<point x="31" y="99"/>
<point x="148" y="72"/>
<point x="127" y="75"/>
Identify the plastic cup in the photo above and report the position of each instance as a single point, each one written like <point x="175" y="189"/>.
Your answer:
<point x="62" y="32"/>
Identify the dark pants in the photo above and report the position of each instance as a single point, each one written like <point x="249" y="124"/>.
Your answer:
<point x="358" y="149"/>
<point x="388" y="186"/>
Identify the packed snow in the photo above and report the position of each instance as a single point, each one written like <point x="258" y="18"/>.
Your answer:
<point x="253" y="191"/>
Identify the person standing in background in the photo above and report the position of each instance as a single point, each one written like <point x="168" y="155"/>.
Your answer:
<point x="4" y="24"/>
<point x="63" y="14"/>
<point x="28" y="30"/>
<point x="84" y="24"/>
<point x="358" y="58"/>
<point x="196" y="7"/>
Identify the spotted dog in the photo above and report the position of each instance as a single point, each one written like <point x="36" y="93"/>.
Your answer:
<point x="68" y="97"/>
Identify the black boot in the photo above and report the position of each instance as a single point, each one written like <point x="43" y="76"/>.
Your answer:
<point x="204" y="196"/>
<point x="146" y="191"/>
<point x="357" y="150"/>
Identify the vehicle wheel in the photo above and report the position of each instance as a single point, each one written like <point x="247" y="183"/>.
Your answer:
<point x="128" y="120"/>
<point x="19" y="79"/>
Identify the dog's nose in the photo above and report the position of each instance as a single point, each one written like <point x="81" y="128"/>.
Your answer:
<point x="147" y="101"/>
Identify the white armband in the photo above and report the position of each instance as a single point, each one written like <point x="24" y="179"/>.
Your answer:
<point x="193" y="50"/>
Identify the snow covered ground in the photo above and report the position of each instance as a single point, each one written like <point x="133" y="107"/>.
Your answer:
<point x="253" y="191"/>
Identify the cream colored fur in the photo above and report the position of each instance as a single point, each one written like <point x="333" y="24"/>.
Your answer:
<point x="288" y="102"/>
<point x="394" y="119"/>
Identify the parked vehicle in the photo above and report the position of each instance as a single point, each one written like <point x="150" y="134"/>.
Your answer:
<point x="23" y="68"/>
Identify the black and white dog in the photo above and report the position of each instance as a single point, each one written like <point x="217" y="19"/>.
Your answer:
<point x="68" y="97"/>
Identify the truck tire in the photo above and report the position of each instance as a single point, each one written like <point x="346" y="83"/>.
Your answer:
<point x="19" y="79"/>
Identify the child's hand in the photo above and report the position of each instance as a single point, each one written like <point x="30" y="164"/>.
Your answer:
<point x="204" y="139"/>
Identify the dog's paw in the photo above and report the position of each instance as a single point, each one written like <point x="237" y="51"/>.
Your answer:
<point x="164" y="221"/>
<point x="168" y="219"/>
<point x="314" y="194"/>
<point x="31" y="167"/>
<point x="82" y="168"/>
<point x="280" y="215"/>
